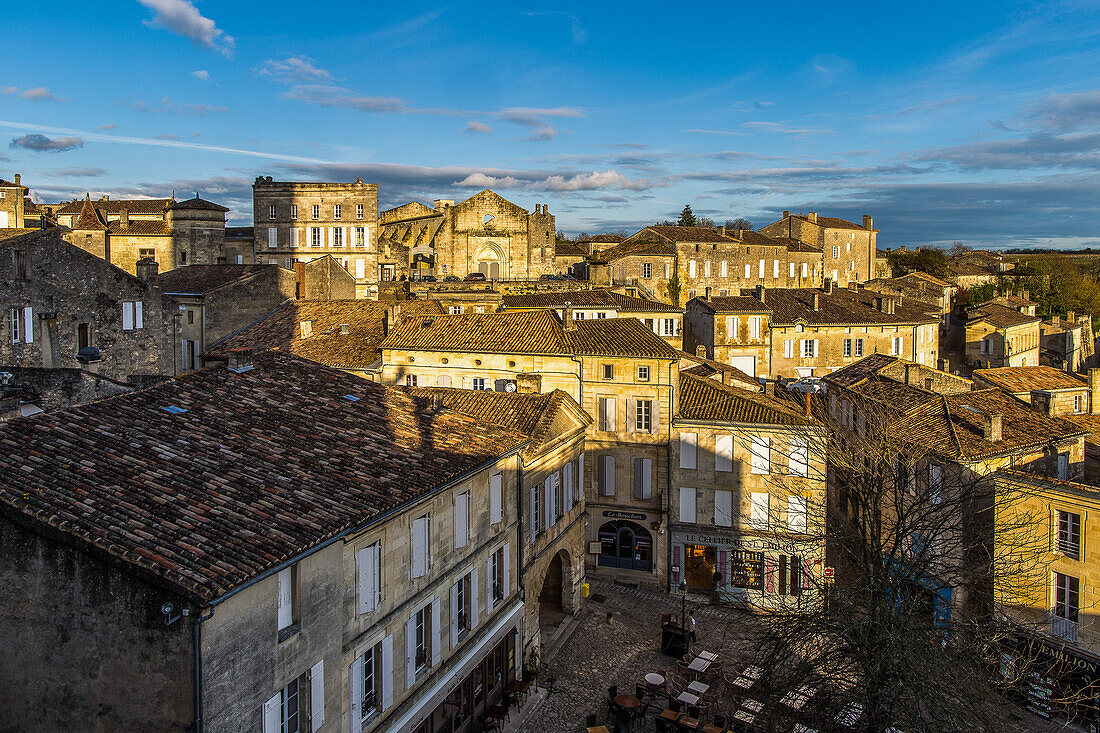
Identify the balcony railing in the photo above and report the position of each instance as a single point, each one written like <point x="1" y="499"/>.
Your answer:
<point x="1063" y="628"/>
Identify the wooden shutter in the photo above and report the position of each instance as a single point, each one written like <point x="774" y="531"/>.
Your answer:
<point x="454" y="614"/>
<point x="548" y="502"/>
<point x="631" y="414"/>
<point x="688" y="442"/>
<point x="285" y="600"/>
<point x="723" y="452"/>
<point x="317" y="695"/>
<point x="28" y="325"/>
<point x="609" y="475"/>
<point x="273" y="714"/>
<point x="462" y="519"/>
<point x="687" y="505"/>
<point x="723" y="508"/>
<point x="761" y="454"/>
<point x="368" y="578"/>
<point x="759" y="509"/>
<point x="127" y="316"/>
<point x="410" y="652"/>
<point x="435" y="632"/>
<point x="796" y="513"/>
<point x="420" y="547"/>
<point x="360" y="268"/>
<point x="355" y="694"/>
<point x="496" y="498"/>
<point x="473" y="598"/>
<point x="489" y="577"/>
<point x="580" y="476"/>
<point x="655" y="415"/>
<point x="139" y="321"/>
<point x="387" y="672"/>
<point x="567" y="494"/>
<point x="507" y="565"/>
<point x="534" y="523"/>
<point x="800" y="457"/>
<point x="611" y="414"/>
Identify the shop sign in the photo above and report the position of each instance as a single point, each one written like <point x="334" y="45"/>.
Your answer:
<point x="636" y="516"/>
<point x="748" y="543"/>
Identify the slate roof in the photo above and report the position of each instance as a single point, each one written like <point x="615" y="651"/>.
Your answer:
<point x="528" y="332"/>
<point x="1027" y="378"/>
<point x="686" y="234"/>
<point x="139" y="228"/>
<point x="842" y="306"/>
<point x="240" y="233"/>
<point x="194" y="279"/>
<point x="999" y="316"/>
<point x="281" y="329"/>
<point x="262" y="466"/>
<point x="588" y="299"/>
<point x="640" y="249"/>
<point x="707" y="399"/>
<point x="197" y="203"/>
<point x="115" y="206"/>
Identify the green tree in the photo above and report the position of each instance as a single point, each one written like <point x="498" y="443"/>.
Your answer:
<point x="687" y="218"/>
<point x="673" y="288"/>
<point x="929" y="259"/>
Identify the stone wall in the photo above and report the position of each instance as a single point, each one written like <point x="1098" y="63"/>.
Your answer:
<point x="85" y="644"/>
<point x="326" y="279"/>
<point x="230" y="308"/>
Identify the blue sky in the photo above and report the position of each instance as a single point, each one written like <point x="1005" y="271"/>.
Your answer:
<point x="977" y="122"/>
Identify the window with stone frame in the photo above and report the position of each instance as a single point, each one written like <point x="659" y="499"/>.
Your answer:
<point x="643" y="416"/>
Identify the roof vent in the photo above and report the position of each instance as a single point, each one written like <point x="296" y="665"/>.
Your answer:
<point x="427" y="323"/>
<point x="351" y="398"/>
<point x="991" y="430"/>
<point x="240" y="360"/>
<point x="174" y="409"/>
<point x="345" y="329"/>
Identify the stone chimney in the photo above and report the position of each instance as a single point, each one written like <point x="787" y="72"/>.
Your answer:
<point x="817" y="301"/>
<point x="147" y="270"/>
<point x="868" y="222"/>
<point x="124" y="219"/>
<point x="769" y="387"/>
<point x="706" y="292"/>
<point x="912" y="374"/>
<point x="701" y="351"/>
<point x="760" y="293"/>
<point x="440" y="204"/>
<point x="812" y="216"/>
<point x="1094" y="391"/>
<point x="1071" y="316"/>
<point x="18" y="178"/>
<point x="991" y="430"/>
<point x="1056" y="320"/>
<point x="741" y="235"/>
<point x="240" y="360"/>
<point x="828" y="286"/>
<point x="722" y="229"/>
<point x="528" y="383"/>
<point x="567" y="317"/>
<point x="786" y="214"/>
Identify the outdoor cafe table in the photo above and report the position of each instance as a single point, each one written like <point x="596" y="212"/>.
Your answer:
<point x="709" y="656"/>
<point x="654" y="679"/>
<point x="754" y="706"/>
<point x="744" y="682"/>
<point x="753" y="672"/>
<point x="688" y="698"/>
<point x="797" y="699"/>
<point x="699" y="664"/>
<point x="699" y="688"/>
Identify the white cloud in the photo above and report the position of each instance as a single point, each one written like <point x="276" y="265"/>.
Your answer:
<point x="475" y="126"/>
<point x="295" y="70"/>
<point x="577" y="182"/>
<point x="783" y="128"/>
<point x="201" y="75"/>
<point x="182" y="18"/>
<point x="169" y="106"/>
<point x="38" y="94"/>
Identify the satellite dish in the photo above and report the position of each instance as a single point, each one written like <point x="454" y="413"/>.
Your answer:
<point x="510" y="387"/>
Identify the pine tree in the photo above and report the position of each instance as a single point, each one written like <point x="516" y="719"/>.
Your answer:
<point x="687" y="218"/>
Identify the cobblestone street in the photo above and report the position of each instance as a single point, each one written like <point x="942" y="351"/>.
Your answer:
<point x="621" y="652"/>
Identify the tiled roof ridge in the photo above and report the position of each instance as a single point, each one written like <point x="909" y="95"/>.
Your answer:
<point x="737" y="393"/>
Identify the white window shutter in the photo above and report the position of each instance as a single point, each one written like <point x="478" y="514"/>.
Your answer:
<point x="723" y="453"/>
<point x="273" y="712"/>
<point x="496" y="498"/>
<point x="410" y="652"/>
<point x="548" y="508"/>
<point x="28" y="325"/>
<point x="655" y="417"/>
<point x="507" y="566"/>
<point x="285" y="579"/>
<point x="317" y="695"/>
<point x="609" y="476"/>
<point x="688" y="442"/>
<point x="567" y="494"/>
<point x="454" y="615"/>
<point x="420" y="547"/>
<point x="387" y="672"/>
<point x="611" y="414"/>
<point x="631" y="415"/>
<point x="127" y="316"/>
<point x="331" y="236"/>
<point x="534" y="523"/>
<point x="435" y="632"/>
<point x="647" y="478"/>
<point x="759" y="509"/>
<point x="800" y="457"/>
<point x="368" y="579"/>
<point x="796" y="513"/>
<point x="462" y="519"/>
<point x="761" y="454"/>
<point x="473" y="598"/>
<point x="360" y="268"/>
<point x="489" y="586"/>
<point x="788" y="349"/>
<point x="815" y="348"/>
<point x="687" y="505"/>
<point x="355" y="694"/>
<point x="139" y="321"/>
<point x="723" y="508"/>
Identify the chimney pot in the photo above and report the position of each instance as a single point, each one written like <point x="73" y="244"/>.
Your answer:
<point x="701" y="351"/>
<point x="992" y="429"/>
<point x="868" y="222"/>
<point x="817" y="301"/>
<point x="786" y="214"/>
<point x="812" y="216"/>
<point x="567" y="317"/>
<point x="17" y="180"/>
<point x="761" y="294"/>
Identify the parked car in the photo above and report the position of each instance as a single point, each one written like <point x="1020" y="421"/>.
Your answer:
<point x="427" y="279"/>
<point x="547" y="278"/>
<point x="476" y="277"/>
<point x="811" y="385"/>
<point x="451" y="279"/>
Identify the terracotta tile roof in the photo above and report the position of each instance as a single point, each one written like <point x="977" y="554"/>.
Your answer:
<point x="1027" y="378"/>
<point x="999" y="316"/>
<point x="865" y="368"/>
<point x="204" y="500"/>
<point x="1010" y="301"/>
<point x="752" y="237"/>
<point x="89" y="218"/>
<point x="924" y="277"/>
<point x="569" y="249"/>
<point x="4" y="183"/>
<point x="703" y="367"/>
<point x="685" y="234"/>
<point x="1088" y="422"/>
<point x="831" y="222"/>
<point x="883" y="368"/>
<point x="528" y="332"/>
<point x="734" y="304"/>
<point x="604" y="239"/>
<point x="197" y="203"/>
<point x="359" y="349"/>
<point x="635" y="249"/>
<point x="842" y="306"/>
<point x="13" y="232"/>
<point x="115" y="206"/>
<point x="204" y="278"/>
<point x="140" y="228"/>
<point x="588" y="299"/>
<point x="707" y="399"/>
<point x="618" y="337"/>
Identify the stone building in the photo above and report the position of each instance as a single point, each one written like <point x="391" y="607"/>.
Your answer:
<point x="1002" y="334"/>
<point x="663" y="319"/>
<point x="621" y="373"/>
<point x="804" y="332"/>
<point x="486" y="233"/>
<point x="918" y="286"/>
<point x="344" y="334"/>
<point x="217" y="300"/>
<point x="122" y="232"/>
<point x="334" y="608"/>
<point x="12" y="197"/>
<point x="300" y="221"/>
<point x="645" y="265"/>
<point x="748" y="497"/>
<point x="1052" y="391"/>
<point x="65" y="309"/>
<point x="848" y="250"/>
<point x="1067" y="343"/>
